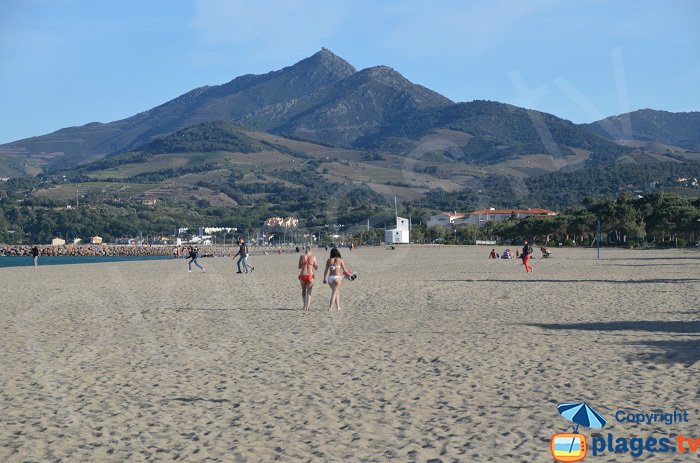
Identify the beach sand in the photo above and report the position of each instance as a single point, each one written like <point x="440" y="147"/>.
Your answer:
<point x="438" y="355"/>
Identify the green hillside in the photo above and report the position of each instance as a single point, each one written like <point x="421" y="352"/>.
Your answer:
<point x="498" y="132"/>
<point x="648" y="125"/>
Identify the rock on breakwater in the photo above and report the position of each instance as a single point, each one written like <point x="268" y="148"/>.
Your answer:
<point x="108" y="250"/>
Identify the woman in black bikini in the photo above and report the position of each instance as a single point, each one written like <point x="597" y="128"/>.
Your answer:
<point x="333" y="275"/>
<point x="307" y="264"/>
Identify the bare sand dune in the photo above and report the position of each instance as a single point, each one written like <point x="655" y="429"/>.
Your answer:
<point x="438" y="355"/>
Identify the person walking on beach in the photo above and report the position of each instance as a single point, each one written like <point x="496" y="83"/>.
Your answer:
<point x="333" y="275"/>
<point x="35" y="255"/>
<point x="307" y="265"/>
<point x="193" y="258"/>
<point x="525" y="256"/>
<point x="242" y="255"/>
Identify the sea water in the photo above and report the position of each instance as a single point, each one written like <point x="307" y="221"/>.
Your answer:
<point x="28" y="261"/>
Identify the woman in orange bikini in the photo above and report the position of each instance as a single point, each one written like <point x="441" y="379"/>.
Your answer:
<point x="307" y="264"/>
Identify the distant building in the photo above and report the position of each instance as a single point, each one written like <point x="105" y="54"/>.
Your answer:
<point x="498" y="215"/>
<point x="149" y="201"/>
<point x="289" y="222"/>
<point x="446" y="219"/>
<point x="58" y="242"/>
<point x="96" y="240"/>
<point x="687" y="182"/>
<point x="77" y="240"/>
<point x="399" y="234"/>
<point x="210" y="230"/>
<point x="202" y="240"/>
<point x="4" y="179"/>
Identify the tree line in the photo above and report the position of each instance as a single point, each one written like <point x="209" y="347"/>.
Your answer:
<point x="660" y="219"/>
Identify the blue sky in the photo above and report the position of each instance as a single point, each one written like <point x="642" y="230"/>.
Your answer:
<point x="70" y="62"/>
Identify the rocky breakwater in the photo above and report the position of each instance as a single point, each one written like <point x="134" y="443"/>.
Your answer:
<point x="108" y="250"/>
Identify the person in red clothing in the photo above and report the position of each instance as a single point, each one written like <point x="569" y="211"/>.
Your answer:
<point x="525" y="256"/>
<point x="307" y="265"/>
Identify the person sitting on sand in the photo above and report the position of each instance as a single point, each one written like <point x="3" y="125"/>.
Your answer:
<point x="333" y="275"/>
<point x="307" y="265"/>
<point x="493" y="254"/>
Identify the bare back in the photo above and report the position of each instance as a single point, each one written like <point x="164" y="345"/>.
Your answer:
<point x="336" y="266"/>
<point x="307" y="264"/>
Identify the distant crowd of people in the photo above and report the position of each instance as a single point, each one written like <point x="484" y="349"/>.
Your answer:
<point x="525" y="254"/>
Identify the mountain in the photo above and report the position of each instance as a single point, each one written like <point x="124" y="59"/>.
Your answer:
<point x="225" y="158"/>
<point x="361" y="105"/>
<point x="326" y="101"/>
<point x="495" y="132"/>
<point x="651" y="126"/>
<point x="321" y="97"/>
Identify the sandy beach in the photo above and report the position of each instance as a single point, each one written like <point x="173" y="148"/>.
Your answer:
<point x="439" y="355"/>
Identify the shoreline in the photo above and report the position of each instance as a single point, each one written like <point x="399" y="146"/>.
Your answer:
<point x="107" y="250"/>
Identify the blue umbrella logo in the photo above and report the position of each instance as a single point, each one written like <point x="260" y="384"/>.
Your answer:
<point x="581" y="414"/>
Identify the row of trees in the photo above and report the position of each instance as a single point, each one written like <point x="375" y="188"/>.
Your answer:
<point x="657" y="218"/>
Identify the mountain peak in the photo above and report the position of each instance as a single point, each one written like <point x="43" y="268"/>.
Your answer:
<point x="329" y="62"/>
<point x="382" y="70"/>
<point x="325" y="53"/>
<point x="383" y="74"/>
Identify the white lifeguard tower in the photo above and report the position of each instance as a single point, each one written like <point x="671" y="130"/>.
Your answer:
<point x="400" y="234"/>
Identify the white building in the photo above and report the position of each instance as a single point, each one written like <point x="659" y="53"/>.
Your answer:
<point x="446" y="219"/>
<point x="288" y="222"/>
<point x="203" y="240"/>
<point x="498" y="215"/>
<point x="210" y="230"/>
<point x="400" y="234"/>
